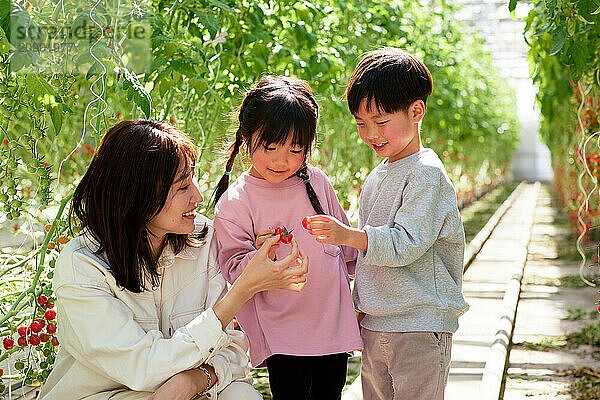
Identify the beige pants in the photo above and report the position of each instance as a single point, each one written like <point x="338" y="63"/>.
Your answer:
<point x="234" y="391"/>
<point x="405" y="365"/>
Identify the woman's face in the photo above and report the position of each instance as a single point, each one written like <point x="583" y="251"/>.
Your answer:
<point x="178" y="214"/>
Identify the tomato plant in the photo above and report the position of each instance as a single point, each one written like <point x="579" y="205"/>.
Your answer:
<point x="564" y="36"/>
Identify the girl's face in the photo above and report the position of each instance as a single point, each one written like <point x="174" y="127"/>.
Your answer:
<point x="178" y="214"/>
<point x="276" y="162"/>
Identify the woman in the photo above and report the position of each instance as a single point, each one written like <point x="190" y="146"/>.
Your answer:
<point x="143" y="311"/>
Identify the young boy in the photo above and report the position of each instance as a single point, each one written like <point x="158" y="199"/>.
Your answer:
<point x="410" y="235"/>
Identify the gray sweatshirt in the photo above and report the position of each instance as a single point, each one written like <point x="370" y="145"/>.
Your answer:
<point x="410" y="277"/>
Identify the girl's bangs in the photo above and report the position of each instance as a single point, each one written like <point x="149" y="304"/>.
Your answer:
<point x="284" y="123"/>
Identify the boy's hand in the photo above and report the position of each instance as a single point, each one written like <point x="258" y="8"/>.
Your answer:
<point x="327" y="229"/>
<point x="260" y="240"/>
<point x="331" y="231"/>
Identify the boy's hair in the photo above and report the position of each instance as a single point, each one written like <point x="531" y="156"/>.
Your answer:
<point x="124" y="188"/>
<point x="275" y="108"/>
<point x="391" y="78"/>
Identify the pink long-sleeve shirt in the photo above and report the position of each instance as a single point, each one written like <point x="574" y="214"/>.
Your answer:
<point x="316" y="321"/>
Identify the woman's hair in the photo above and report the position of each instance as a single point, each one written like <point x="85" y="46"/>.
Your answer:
<point x="390" y="77"/>
<point x="124" y="188"/>
<point x="274" y="109"/>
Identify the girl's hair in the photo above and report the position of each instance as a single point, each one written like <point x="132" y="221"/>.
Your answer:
<point x="125" y="186"/>
<point x="274" y="109"/>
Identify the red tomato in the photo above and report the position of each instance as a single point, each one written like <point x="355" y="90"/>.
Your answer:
<point x="305" y="222"/>
<point x="286" y="236"/>
<point x="36" y="326"/>
<point x="42" y="300"/>
<point x="23" y="330"/>
<point x="50" y="315"/>
<point x="51" y="328"/>
<point x="8" y="343"/>
<point x="34" y="339"/>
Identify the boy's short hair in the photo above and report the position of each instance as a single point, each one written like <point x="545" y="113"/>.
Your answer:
<point x="390" y="77"/>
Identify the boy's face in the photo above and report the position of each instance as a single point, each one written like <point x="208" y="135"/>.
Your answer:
<point x="393" y="135"/>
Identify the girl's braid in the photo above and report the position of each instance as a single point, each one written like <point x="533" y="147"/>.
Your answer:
<point x="302" y="173"/>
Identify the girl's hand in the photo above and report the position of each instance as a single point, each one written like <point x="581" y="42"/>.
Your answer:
<point x="328" y="229"/>
<point x="184" y="385"/>
<point x="260" y="240"/>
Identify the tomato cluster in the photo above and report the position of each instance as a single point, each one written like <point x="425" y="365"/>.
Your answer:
<point x="39" y="334"/>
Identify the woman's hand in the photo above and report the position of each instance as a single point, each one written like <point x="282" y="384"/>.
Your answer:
<point x="262" y="273"/>
<point x="329" y="230"/>
<point x="184" y="385"/>
<point x="260" y="240"/>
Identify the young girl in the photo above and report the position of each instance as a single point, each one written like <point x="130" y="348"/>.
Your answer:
<point x="303" y="338"/>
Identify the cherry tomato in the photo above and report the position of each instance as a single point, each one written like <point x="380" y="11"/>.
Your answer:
<point x="51" y="328"/>
<point x="8" y="343"/>
<point x="305" y="222"/>
<point x="23" y="331"/>
<point x="35" y="326"/>
<point x="286" y="236"/>
<point x="42" y="300"/>
<point x="34" y="339"/>
<point x="278" y="231"/>
<point x="50" y="315"/>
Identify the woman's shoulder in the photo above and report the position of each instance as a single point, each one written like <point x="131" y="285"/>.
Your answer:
<point x="80" y="261"/>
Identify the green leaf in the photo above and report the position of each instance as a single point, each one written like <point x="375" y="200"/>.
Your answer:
<point x="95" y="68"/>
<point x="512" y="4"/>
<point x="596" y="12"/>
<point x="4" y="44"/>
<point x="194" y="30"/>
<point x="199" y="85"/>
<point x="208" y="21"/>
<point x="136" y="92"/>
<point x="41" y="92"/>
<point x="222" y="6"/>
<point x="5" y="8"/>
<point x="43" y="96"/>
<point x="184" y="67"/>
<point x="558" y="40"/>
<point x="545" y="28"/>
<point x="56" y="114"/>
<point x="157" y="62"/>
